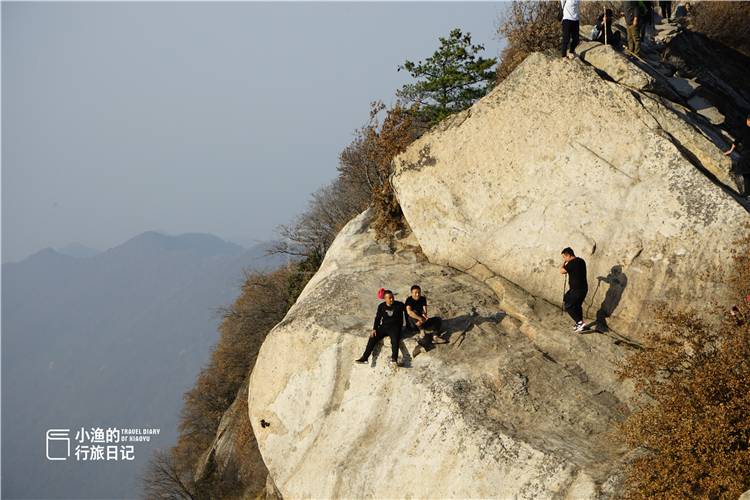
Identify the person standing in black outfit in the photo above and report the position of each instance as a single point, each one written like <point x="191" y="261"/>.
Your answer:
<point x="666" y="10"/>
<point x="578" y="287"/>
<point x="646" y="19"/>
<point x="389" y="320"/>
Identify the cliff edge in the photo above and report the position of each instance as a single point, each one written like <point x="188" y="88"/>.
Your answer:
<point x="515" y="405"/>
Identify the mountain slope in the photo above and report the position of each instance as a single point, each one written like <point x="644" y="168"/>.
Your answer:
<point x="109" y="340"/>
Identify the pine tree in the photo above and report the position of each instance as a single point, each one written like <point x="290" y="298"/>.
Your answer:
<point x="450" y="80"/>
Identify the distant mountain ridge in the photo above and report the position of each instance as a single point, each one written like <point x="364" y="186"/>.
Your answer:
<point x="112" y="339"/>
<point x="198" y="243"/>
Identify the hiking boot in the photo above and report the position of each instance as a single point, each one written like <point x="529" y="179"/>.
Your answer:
<point x="426" y="343"/>
<point x="417" y="350"/>
<point x="361" y="361"/>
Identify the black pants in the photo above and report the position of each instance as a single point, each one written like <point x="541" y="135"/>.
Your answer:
<point x="573" y="301"/>
<point x="613" y="39"/>
<point x="741" y="172"/>
<point x="394" y="334"/>
<point x="570" y="32"/>
<point x="666" y="9"/>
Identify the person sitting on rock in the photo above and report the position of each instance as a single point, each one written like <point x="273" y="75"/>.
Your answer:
<point x="741" y="168"/>
<point x="598" y="33"/>
<point x="416" y="316"/>
<point x="578" y="287"/>
<point x="389" y="319"/>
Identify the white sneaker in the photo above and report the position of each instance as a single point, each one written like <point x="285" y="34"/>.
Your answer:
<point x="571" y="55"/>
<point x="581" y="326"/>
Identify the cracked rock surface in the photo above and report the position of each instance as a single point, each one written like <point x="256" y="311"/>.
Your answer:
<point x="510" y="407"/>
<point x="631" y="185"/>
<point x="515" y="405"/>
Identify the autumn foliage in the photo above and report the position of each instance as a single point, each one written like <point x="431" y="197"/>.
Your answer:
<point x="527" y="27"/>
<point x="534" y="26"/>
<point x="368" y="163"/>
<point x="691" y="431"/>
<point x="725" y="22"/>
<point x="262" y="303"/>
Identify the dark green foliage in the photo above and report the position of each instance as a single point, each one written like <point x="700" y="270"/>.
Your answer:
<point x="450" y="80"/>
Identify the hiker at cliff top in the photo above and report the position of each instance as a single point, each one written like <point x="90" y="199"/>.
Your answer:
<point x="632" y="15"/>
<point x="741" y="167"/>
<point x="389" y="320"/>
<point x="578" y="287"/>
<point x="646" y="18"/>
<point x="598" y="32"/>
<point x="569" y="27"/>
<point x="666" y="10"/>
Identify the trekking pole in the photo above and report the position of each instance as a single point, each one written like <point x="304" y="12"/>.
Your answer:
<point x="593" y="297"/>
<point x="604" y="21"/>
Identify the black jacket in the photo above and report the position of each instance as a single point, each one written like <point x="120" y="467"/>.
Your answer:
<point x="390" y="317"/>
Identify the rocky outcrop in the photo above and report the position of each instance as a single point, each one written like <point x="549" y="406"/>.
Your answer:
<point x="720" y="71"/>
<point x="514" y="405"/>
<point x="232" y="466"/>
<point x="509" y="407"/>
<point x="617" y="67"/>
<point x="556" y="156"/>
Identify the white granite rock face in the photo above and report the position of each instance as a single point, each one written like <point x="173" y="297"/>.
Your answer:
<point x="515" y="405"/>
<point x="557" y="156"/>
<point x="509" y="408"/>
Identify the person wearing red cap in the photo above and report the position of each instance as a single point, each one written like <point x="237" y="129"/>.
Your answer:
<point x="389" y="319"/>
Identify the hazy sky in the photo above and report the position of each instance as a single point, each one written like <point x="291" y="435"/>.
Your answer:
<point x="193" y="117"/>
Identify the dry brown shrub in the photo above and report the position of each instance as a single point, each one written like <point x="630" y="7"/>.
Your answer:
<point x="534" y="26"/>
<point x="691" y="429"/>
<point x="262" y="303"/>
<point x="725" y="22"/>
<point x="398" y="131"/>
<point x="248" y="465"/>
<point x="368" y="162"/>
<point x="528" y="26"/>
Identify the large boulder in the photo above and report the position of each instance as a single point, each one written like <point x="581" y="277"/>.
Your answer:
<point x="616" y="66"/>
<point x="511" y="408"/>
<point x="556" y="156"/>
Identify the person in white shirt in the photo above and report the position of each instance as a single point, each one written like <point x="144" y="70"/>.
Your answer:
<point x="569" y="27"/>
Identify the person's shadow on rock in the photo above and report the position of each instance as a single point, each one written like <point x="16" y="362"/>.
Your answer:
<point x="460" y="325"/>
<point x="617" y="281"/>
